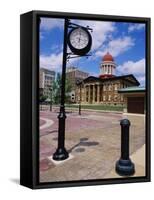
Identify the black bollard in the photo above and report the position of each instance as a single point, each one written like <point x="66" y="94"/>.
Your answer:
<point x="79" y="109"/>
<point x="124" y="166"/>
<point x="50" y="106"/>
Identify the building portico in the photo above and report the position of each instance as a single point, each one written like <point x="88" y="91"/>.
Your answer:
<point x="104" y="89"/>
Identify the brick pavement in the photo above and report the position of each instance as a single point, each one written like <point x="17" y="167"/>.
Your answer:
<point x="93" y="139"/>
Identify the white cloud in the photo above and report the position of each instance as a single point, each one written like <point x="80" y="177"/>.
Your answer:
<point x="141" y="79"/>
<point x="74" y="61"/>
<point x="132" y="67"/>
<point x="136" y="68"/>
<point x="50" y="23"/>
<point x="134" y="27"/>
<point x="52" y="62"/>
<point x="101" y="31"/>
<point x="57" y="48"/>
<point x="117" y="46"/>
<point x="94" y="74"/>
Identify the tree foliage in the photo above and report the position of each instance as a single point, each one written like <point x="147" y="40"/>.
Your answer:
<point x="42" y="98"/>
<point x="56" y="90"/>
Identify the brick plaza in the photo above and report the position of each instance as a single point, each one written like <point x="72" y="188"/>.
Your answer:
<point x="93" y="141"/>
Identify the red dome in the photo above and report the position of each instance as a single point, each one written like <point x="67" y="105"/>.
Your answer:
<point x="108" y="57"/>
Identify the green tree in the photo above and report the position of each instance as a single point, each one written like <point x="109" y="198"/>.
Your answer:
<point x="68" y="89"/>
<point x="42" y="98"/>
<point x="56" y="90"/>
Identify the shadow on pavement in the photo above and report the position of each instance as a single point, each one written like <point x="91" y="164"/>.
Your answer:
<point x="83" y="142"/>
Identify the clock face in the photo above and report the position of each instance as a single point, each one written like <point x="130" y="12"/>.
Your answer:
<point x="79" y="38"/>
<point x="79" y="41"/>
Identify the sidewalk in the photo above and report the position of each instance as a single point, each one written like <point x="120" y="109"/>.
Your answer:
<point x="76" y="109"/>
<point x="138" y="158"/>
<point x="93" y="142"/>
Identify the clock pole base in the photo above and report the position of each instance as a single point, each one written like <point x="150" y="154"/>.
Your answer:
<point x="60" y="154"/>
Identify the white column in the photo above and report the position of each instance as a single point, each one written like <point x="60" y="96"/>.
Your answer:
<point x="110" y="69"/>
<point x="98" y="93"/>
<point x="84" y="93"/>
<point x="89" y="94"/>
<point x="93" y="93"/>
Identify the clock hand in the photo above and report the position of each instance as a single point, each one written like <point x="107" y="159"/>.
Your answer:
<point x="79" y="36"/>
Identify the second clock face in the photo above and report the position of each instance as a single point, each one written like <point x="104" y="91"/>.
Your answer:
<point x="79" y="38"/>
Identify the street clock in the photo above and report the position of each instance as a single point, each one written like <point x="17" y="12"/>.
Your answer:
<point x="79" y="41"/>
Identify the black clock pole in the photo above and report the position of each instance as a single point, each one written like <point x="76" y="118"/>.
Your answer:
<point x="61" y="153"/>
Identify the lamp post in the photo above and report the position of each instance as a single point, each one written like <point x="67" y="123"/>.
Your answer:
<point x="79" y="41"/>
<point x="61" y="153"/>
<point x="50" y="99"/>
<point x="80" y="97"/>
<point x="79" y="84"/>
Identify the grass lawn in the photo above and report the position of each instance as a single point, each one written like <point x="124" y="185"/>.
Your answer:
<point x="97" y="107"/>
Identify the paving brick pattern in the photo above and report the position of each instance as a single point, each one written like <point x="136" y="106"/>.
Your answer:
<point x="94" y="141"/>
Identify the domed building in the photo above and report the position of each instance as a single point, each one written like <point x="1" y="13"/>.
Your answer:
<point x="104" y="88"/>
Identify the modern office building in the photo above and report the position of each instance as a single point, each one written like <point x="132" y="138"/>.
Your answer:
<point x="46" y="80"/>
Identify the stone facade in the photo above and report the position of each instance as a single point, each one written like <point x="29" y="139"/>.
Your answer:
<point x="104" y="89"/>
<point x="97" y="91"/>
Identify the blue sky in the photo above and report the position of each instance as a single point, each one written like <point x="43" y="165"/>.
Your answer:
<point x="125" y="41"/>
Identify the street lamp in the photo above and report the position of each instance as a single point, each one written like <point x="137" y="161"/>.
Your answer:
<point x="79" y="41"/>
<point x="61" y="153"/>
<point x="50" y="99"/>
<point x="80" y="102"/>
<point x="79" y="84"/>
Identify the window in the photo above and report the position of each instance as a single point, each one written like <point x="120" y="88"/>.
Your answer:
<point x="115" y="97"/>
